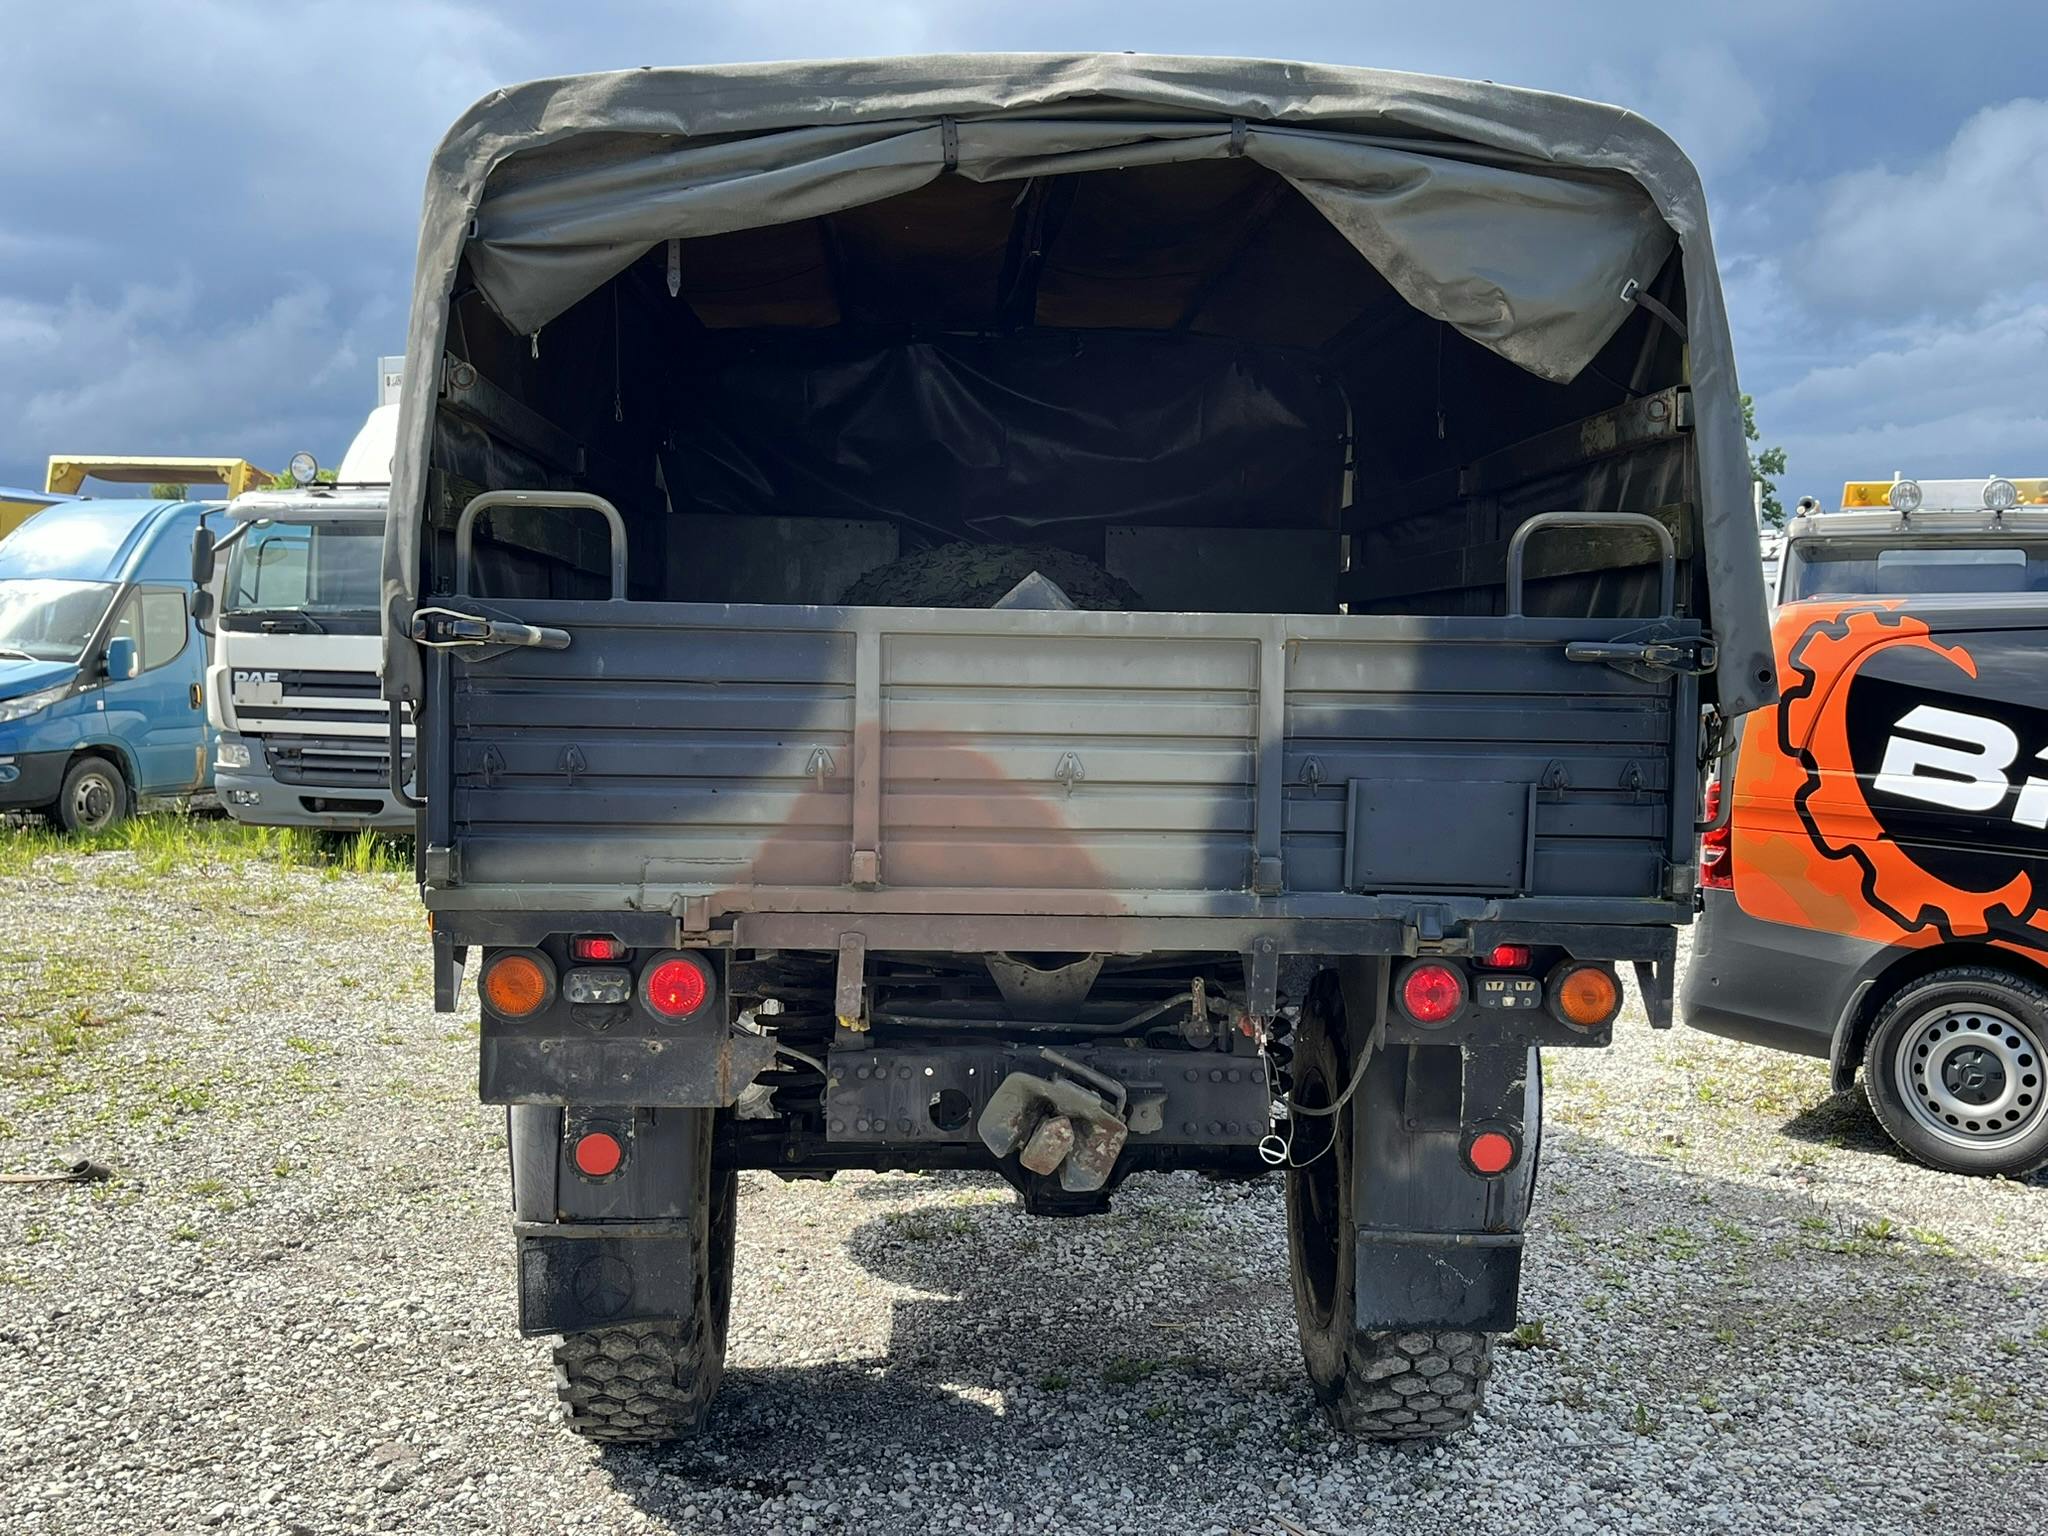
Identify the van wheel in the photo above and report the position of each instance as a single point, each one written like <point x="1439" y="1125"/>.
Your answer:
<point x="94" y="796"/>
<point x="1406" y="1384"/>
<point x="648" y="1382"/>
<point x="1957" y="1072"/>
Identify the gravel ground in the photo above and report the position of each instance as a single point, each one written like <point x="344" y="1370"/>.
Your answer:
<point x="291" y="1310"/>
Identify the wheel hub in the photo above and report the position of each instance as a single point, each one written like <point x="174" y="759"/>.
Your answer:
<point x="1972" y="1075"/>
<point x="93" y="801"/>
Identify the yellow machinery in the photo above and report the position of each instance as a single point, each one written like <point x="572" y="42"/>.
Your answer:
<point x="69" y="471"/>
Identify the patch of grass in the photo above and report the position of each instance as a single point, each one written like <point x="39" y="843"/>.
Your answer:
<point x="1529" y="1334"/>
<point x="165" y="843"/>
<point x="307" y="1047"/>
<point x="1882" y="1230"/>
<point x="1127" y="1371"/>
<point x="1054" y="1381"/>
<point x="1679" y="1242"/>
<point x="184" y="1232"/>
<point x="1160" y="1411"/>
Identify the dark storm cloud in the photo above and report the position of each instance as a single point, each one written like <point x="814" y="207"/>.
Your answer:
<point x="206" y="210"/>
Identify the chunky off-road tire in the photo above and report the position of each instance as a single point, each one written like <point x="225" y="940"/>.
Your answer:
<point x="1955" y="1070"/>
<point x="94" y="797"/>
<point x="981" y="575"/>
<point x="1407" y="1384"/>
<point x="648" y="1382"/>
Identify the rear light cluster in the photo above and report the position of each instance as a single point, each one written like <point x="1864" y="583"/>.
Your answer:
<point x="674" y="985"/>
<point x="1717" y="869"/>
<point x="1584" y="994"/>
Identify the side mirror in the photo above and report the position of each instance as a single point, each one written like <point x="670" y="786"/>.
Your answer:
<point x="121" y="659"/>
<point x="203" y="543"/>
<point x="202" y="605"/>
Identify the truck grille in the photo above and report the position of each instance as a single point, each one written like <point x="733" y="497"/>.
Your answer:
<point x="334" y="763"/>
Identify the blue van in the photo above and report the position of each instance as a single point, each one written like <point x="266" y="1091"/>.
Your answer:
<point x="102" y="662"/>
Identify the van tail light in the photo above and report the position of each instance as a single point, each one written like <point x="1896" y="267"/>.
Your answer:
<point x="1717" y="868"/>
<point x="1431" y="992"/>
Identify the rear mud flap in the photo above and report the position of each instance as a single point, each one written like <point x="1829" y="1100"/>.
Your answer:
<point x="1439" y="1280"/>
<point x="575" y="1278"/>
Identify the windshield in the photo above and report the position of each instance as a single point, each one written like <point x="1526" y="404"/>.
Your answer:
<point x="51" y="620"/>
<point x="1897" y="568"/>
<point x="315" y="568"/>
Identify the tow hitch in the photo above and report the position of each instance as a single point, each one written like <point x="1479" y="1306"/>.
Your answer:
<point x="1058" y="1124"/>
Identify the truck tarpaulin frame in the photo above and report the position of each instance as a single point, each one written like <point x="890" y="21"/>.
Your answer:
<point x="569" y="181"/>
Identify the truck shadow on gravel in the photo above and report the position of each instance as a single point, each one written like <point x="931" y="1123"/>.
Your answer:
<point x="1683" y="1326"/>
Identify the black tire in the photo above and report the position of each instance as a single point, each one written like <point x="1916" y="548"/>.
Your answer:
<point x="981" y="575"/>
<point x="649" y="1382"/>
<point x="1956" y="1072"/>
<point x="94" y="797"/>
<point x="1407" y="1384"/>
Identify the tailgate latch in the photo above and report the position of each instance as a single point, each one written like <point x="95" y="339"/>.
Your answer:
<point x="445" y="629"/>
<point x="1649" y="659"/>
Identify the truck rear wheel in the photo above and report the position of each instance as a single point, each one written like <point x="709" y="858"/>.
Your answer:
<point x="1397" y="1384"/>
<point x="653" y="1381"/>
<point x="1957" y="1071"/>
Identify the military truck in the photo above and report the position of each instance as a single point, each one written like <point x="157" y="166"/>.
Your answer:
<point x="1073" y="616"/>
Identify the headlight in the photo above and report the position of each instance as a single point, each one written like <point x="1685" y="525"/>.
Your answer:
<point x="1905" y="496"/>
<point x="29" y="703"/>
<point x="230" y="754"/>
<point x="2000" y="495"/>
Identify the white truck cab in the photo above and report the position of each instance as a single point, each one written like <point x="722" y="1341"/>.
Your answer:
<point x="294" y="689"/>
<point x="1904" y="537"/>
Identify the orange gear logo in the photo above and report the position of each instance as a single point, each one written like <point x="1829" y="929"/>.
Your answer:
<point x="1815" y="845"/>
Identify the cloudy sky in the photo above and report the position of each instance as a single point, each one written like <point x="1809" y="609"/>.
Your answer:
<point x="207" y="206"/>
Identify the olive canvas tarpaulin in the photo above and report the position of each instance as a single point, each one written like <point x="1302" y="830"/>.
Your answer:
<point x="1525" y="221"/>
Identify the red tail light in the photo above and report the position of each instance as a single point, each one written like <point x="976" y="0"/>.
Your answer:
<point x="1508" y="957"/>
<point x="1431" y="992"/>
<point x="600" y="947"/>
<point x="1717" y="869"/>
<point x="676" y="986"/>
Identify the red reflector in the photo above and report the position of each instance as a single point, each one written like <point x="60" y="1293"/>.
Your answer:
<point x="598" y="1155"/>
<point x="596" y="946"/>
<point x="1509" y="957"/>
<point x="1432" y="993"/>
<point x="676" y="988"/>
<point x="1491" y="1152"/>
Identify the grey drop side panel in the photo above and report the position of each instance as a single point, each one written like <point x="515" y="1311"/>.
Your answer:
<point x="752" y="754"/>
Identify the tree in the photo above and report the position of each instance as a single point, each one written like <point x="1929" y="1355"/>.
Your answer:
<point x="1765" y="465"/>
<point x="163" y="490"/>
